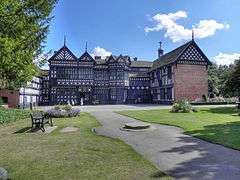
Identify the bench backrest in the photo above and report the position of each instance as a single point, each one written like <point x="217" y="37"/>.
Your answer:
<point x="36" y="114"/>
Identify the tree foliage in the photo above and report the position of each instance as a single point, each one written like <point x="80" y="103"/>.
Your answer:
<point x="23" y="28"/>
<point x="222" y="79"/>
<point x="233" y="82"/>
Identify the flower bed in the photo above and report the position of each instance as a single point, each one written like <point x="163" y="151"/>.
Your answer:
<point x="65" y="111"/>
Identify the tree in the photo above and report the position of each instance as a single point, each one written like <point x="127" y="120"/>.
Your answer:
<point x="213" y="80"/>
<point x="233" y="82"/>
<point x="23" y="28"/>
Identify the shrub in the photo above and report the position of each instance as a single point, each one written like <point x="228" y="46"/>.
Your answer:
<point x="57" y="107"/>
<point x="60" y="113"/>
<point x="182" y="106"/>
<point x="67" y="107"/>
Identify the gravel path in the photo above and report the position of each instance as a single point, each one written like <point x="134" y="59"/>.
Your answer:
<point x="179" y="155"/>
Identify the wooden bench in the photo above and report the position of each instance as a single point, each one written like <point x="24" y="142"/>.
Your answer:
<point x="39" y="120"/>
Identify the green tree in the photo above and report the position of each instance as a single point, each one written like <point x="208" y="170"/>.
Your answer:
<point x="213" y="79"/>
<point x="233" y="82"/>
<point x="24" y="26"/>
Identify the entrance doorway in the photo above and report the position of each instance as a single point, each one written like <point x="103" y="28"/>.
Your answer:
<point x="84" y="98"/>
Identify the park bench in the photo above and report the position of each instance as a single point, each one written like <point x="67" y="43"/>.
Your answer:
<point x="39" y="120"/>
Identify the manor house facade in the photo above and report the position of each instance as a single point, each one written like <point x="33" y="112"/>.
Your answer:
<point x="179" y="74"/>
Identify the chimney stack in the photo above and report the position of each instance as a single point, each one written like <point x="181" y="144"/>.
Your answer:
<point x="160" y="50"/>
<point x="135" y="59"/>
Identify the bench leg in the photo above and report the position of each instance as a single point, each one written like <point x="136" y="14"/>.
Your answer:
<point x="42" y="127"/>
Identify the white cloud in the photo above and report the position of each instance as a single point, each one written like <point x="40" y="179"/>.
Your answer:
<point x="226" y="59"/>
<point x="41" y="60"/>
<point x="177" y="32"/>
<point x="98" y="51"/>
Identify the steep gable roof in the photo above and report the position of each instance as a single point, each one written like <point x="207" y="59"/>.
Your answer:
<point x="86" y="57"/>
<point x="183" y="52"/>
<point x="63" y="54"/>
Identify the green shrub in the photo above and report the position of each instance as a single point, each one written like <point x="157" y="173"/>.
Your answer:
<point x="181" y="106"/>
<point x="67" y="107"/>
<point x="57" y="107"/>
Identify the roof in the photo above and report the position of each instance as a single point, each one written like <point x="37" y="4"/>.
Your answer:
<point x="138" y="63"/>
<point x="181" y="52"/>
<point x="138" y="75"/>
<point x="86" y="57"/>
<point x="100" y="61"/>
<point x="170" y="57"/>
<point x="63" y="54"/>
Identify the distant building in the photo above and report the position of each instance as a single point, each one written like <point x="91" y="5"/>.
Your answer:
<point x="25" y="96"/>
<point x="179" y="74"/>
<point x="31" y="94"/>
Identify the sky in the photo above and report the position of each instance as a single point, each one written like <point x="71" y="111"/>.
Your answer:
<point x="135" y="27"/>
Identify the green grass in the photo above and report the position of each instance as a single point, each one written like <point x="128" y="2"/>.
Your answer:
<point x="76" y="155"/>
<point x="217" y="125"/>
<point x="11" y="115"/>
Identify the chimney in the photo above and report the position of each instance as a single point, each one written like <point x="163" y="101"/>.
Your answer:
<point x="160" y="50"/>
<point x="135" y="59"/>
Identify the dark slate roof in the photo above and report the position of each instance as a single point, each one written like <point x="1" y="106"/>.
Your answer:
<point x="170" y="57"/>
<point x="87" y="55"/>
<point x="138" y="75"/>
<point x="139" y="64"/>
<point x="100" y="61"/>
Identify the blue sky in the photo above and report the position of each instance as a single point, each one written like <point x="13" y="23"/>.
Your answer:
<point x="134" y="27"/>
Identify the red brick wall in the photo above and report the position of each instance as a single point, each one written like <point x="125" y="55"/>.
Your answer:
<point x="190" y="81"/>
<point x="13" y="97"/>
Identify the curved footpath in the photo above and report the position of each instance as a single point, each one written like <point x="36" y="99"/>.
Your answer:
<point x="181" y="156"/>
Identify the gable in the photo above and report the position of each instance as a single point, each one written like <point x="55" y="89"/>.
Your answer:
<point x="86" y="57"/>
<point x="111" y="59"/>
<point x="63" y="54"/>
<point x="193" y="55"/>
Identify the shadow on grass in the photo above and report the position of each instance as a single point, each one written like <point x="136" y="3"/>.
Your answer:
<point x="222" y="110"/>
<point x="159" y="174"/>
<point x="201" y="160"/>
<point x="27" y="130"/>
<point x="226" y="134"/>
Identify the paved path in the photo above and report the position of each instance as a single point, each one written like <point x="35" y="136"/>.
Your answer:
<point x="179" y="155"/>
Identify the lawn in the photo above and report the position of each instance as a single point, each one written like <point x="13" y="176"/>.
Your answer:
<point x="218" y="125"/>
<point x="76" y="155"/>
<point x="10" y="115"/>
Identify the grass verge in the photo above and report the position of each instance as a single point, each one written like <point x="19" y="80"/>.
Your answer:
<point x="218" y="125"/>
